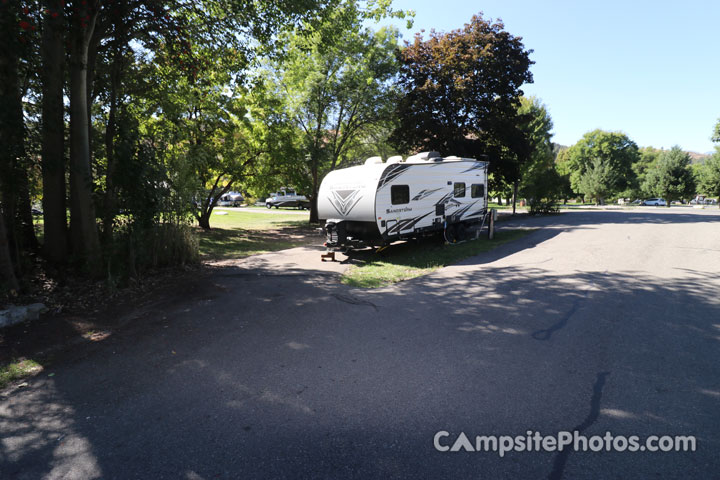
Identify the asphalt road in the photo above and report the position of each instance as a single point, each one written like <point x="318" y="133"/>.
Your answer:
<point x="600" y="321"/>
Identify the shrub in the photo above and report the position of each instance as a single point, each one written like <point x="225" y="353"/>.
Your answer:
<point x="137" y="250"/>
<point x="542" y="187"/>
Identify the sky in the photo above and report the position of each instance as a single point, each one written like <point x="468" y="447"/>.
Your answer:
<point x="650" y="69"/>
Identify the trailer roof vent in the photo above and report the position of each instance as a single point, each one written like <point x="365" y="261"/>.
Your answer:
<point x="373" y="160"/>
<point x="395" y="159"/>
<point x="423" y="157"/>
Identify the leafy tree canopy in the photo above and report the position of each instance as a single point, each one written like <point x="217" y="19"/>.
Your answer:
<point x="709" y="176"/>
<point x="461" y="94"/>
<point x="333" y="97"/>
<point x="599" y="180"/>
<point x="613" y="150"/>
<point x="670" y="177"/>
<point x="716" y="133"/>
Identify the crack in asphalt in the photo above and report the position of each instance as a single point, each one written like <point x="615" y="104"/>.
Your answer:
<point x="353" y="300"/>
<point x="546" y="333"/>
<point x="562" y="456"/>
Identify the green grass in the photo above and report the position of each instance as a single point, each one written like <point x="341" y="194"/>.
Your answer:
<point x="16" y="370"/>
<point x="409" y="260"/>
<point x="240" y="234"/>
<point x="497" y="206"/>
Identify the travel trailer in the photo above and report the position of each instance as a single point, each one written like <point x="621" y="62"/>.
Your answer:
<point x="380" y="202"/>
<point x="231" y="199"/>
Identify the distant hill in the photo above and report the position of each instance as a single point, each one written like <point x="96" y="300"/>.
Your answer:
<point x="698" y="157"/>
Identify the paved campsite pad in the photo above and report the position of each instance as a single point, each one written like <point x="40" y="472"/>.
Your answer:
<point x="604" y="321"/>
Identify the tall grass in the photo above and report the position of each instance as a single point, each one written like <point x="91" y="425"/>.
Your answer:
<point x="136" y="250"/>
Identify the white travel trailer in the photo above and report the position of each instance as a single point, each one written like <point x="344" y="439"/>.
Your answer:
<point x="380" y="202"/>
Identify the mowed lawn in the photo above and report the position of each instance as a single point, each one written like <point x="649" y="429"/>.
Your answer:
<point x="237" y="234"/>
<point x="408" y="260"/>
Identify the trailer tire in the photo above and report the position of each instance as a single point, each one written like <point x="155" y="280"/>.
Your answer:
<point x="451" y="234"/>
<point x="461" y="232"/>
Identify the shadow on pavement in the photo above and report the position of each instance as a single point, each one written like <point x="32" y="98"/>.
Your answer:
<point x="280" y="376"/>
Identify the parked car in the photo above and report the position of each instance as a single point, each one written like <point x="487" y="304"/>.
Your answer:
<point x="231" y="199"/>
<point x="286" y="198"/>
<point x="702" y="200"/>
<point x="657" y="202"/>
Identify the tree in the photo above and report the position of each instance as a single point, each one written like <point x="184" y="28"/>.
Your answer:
<point x="610" y="155"/>
<point x="83" y="227"/>
<point x="12" y="127"/>
<point x="8" y="280"/>
<point x="709" y="172"/>
<point x="598" y="180"/>
<point x="55" y="242"/>
<point x="670" y="177"/>
<point x="335" y="95"/>
<point x="562" y="167"/>
<point x="647" y="159"/>
<point x="716" y="133"/>
<point x="461" y="96"/>
<point x="709" y="181"/>
<point x="540" y="182"/>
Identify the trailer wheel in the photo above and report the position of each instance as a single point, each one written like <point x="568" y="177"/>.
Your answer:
<point x="461" y="232"/>
<point x="451" y="234"/>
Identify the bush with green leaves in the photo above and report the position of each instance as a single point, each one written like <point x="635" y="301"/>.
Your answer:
<point x="670" y="177"/>
<point x="598" y="181"/>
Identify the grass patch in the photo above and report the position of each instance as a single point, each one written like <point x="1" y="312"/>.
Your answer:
<point x="410" y="260"/>
<point x="239" y="234"/>
<point x="497" y="206"/>
<point x="17" y="370"/>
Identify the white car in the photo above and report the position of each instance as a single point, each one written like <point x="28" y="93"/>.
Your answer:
<point x="287" y="198"/>
<point x="657" y="202"/>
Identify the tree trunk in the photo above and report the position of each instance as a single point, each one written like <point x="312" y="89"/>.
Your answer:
<point x="53" y="132"/>
<point x="514" y="195"/>
<point x="204" y="220"/>
<point x="93" y="45"/>
<point x="24" y="218"/>
<point x="83" y="228"/>
<point x="314" y="218"/>
<point x="12" y="135"/>
<point x="7" y="274"/>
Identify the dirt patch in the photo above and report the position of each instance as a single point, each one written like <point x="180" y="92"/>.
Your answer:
<point x="83" y="314"/>
<point x="96" y="315"/>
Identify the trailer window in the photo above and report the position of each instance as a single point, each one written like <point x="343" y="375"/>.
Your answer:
<point x="459" y="190"/>
<point x="477" y="190"/>
<point x="399" y="194"/>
